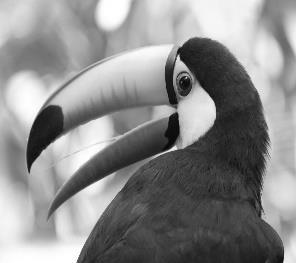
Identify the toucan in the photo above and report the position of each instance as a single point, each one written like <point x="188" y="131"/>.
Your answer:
<point x="198" y="203"/>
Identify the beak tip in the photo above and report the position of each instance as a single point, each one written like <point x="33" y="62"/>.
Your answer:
<point x="46" y="128"/>
<point x="29" y="162"/>
<point x="49" y="214"/>
<point x="33" y="151"/>
<point x="52" y="208"/>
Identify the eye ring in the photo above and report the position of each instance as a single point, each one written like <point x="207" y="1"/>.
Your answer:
<point x="184" y="83"/>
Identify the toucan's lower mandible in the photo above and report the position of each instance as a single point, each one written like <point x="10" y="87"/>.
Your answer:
<point x="142" y="142"/>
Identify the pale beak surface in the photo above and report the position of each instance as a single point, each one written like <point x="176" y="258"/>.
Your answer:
<point x="131" y="79"/>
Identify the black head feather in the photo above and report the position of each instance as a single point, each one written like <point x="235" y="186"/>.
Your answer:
<point x="220" y="74"/>
<point x="239" y="137"/>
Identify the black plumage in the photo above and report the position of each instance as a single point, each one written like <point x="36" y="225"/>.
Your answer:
<point x="201" y="203"/>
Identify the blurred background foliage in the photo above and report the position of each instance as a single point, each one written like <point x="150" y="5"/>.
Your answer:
<point x="43" y="43"/>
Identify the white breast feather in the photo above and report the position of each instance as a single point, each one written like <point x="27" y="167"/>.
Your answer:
<point x="197" y="114"/>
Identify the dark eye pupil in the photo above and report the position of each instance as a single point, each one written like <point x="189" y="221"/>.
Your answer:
<point x="185" y="82"/>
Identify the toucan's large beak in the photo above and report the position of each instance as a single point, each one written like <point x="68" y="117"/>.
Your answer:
<point x="137" y="78"/>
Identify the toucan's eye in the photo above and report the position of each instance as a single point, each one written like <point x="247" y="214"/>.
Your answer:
<point x="184" y="83"/>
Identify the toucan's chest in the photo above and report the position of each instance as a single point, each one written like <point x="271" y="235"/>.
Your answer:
<point x="189" y="230"/>
<point x="176" y="183"/>
<point x="195" y="174"/>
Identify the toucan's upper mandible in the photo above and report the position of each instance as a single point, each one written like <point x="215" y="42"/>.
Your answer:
<point x="137" y="78"/>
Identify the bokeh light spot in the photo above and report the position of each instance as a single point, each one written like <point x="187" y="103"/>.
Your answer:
<point x="110" y="14"/>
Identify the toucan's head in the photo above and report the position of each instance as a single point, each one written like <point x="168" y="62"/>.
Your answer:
<point x="201" y="79"/>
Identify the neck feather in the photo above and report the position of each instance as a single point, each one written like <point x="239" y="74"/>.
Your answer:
<point x="239" y="142"/>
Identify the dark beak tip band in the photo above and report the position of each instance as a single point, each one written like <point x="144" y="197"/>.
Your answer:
<point x="51" y="118"/>
<point x="169" y="74"/>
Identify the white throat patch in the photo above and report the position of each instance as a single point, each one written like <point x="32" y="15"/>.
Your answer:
<point x="197" y="114"/>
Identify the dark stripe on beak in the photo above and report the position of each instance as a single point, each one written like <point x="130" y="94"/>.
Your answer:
<point x="169" y="74"/>
<point x="46" y="128"/>
<point x="172" y="131"/>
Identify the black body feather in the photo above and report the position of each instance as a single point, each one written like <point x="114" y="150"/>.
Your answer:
<point x="201" y="203"/>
